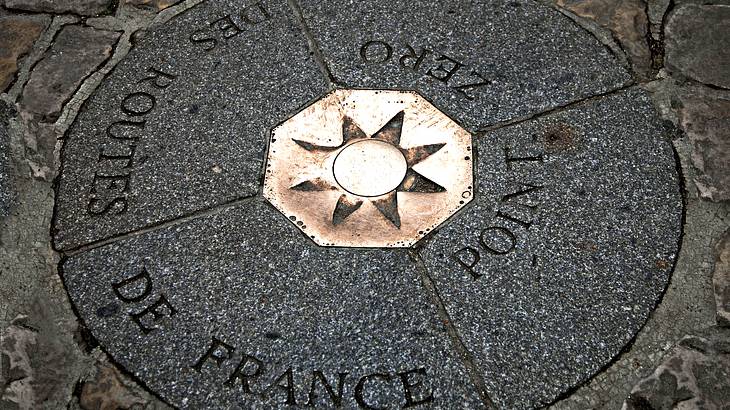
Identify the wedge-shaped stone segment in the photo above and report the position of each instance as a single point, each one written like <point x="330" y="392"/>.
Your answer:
<point x="239" y="310"/>
<point x="566" y="249"/>
<point x="6" y="177"/>
<point x="481" y="61"/>
<point x="181" y="123"/>
<point x="369" y="168"/>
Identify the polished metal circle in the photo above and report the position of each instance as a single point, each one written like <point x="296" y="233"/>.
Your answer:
<point x="370" y="168"/>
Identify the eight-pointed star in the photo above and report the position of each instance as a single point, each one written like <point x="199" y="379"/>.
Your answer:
<point x="387" y="204"/>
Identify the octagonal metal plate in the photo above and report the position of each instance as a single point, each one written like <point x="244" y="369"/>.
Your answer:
<point x="303" y="179"/>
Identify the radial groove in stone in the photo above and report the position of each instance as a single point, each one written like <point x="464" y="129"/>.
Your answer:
<point x="181" y="123"/>
<point x="481" y="62"/>
<point x="567" y="248"/>
<point x="246" y="287"/>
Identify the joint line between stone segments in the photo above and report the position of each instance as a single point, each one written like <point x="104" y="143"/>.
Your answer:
<point x="158" y="226"/>
<point x="121" y="48"/>
<point x="461" y="350"/>
<point x="312" y="43"/>
<point x="561" y="108"/>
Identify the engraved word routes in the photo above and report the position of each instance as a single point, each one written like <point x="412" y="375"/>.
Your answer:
<point x="110" y="185"/>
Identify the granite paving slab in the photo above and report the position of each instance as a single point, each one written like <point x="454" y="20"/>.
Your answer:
<point x="6" y="189"/>
<point x="481" y="62"/>
<point x="240" y="310"/>
<point x="82" y="7"/>
<point x="721" y="281"/>
<point x="567" y="249"/>
<point x="214" y="298"/>
<point x="181" y="123"/>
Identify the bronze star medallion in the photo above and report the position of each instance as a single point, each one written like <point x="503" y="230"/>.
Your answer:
<point x="369" y="168"/>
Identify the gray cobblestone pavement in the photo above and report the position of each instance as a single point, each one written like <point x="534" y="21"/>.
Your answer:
<point x="53" y="55"/>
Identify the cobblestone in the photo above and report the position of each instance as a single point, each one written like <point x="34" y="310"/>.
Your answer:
<point x="627" y="21"/>
<point x="695" y="374"/>
<point x="77" y="52"/>
<point x="696" y="42"/>
<point x="82" y="7"/>
<point x="17" y="34"/>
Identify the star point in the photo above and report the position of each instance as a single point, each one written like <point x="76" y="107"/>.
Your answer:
<point x="387" y="204"/>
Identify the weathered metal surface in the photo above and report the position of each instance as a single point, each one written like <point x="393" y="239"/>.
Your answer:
<point x="369" y="168"/>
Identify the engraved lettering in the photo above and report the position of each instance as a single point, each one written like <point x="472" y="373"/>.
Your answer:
<point x="126" y="157"/>
<point x="443" y="73"/>
<point x="466" y="88"/>
<point x="511" y="198"/>
<point x="322" y="392"/>
<point x="379" y="46"/>
<point x="134" y="288"/>
<point x="524" y="224"/>
<point x="498" y="240"/>
<point x="111" y="184"/>
<point x="216" y="354"/>
<point x="227" y="26"/>
<point x="530" y="188"/>
<point x="468" y="258"/>
<point x="202" y="37"/>
<point x="111" y="129"/>
<point x="411" y="388"/>
<point x="530" y="158"/>
<point x="417" y="59"/>
<point x="156" y="312"/>
<point x="107" y="194"/>
<point x="247" y="370"/>
<point x="288" y="387"/>
<point x="139" y="103"/>
<point x="360" y="388"/>
<point x="255" y="14"/>
<point x="159" y="79"/>
<point x="336" y="398"/>
<point x="100" y="207"/>
<point x="443" y="68"/>
<point x="115" y="183"/>
<point x="519" y="205"/>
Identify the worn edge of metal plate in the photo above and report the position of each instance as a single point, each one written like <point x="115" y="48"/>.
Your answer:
<point x="298" y="181"/>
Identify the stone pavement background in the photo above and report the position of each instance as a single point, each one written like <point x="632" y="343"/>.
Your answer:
<point x="54" y="53"/>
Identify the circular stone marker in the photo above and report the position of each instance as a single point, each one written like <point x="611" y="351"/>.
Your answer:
<point x="459" y="205"/>
<point x="370" y="168"/>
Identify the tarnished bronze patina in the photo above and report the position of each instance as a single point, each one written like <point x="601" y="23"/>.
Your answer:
<point x="369" y="168"/>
